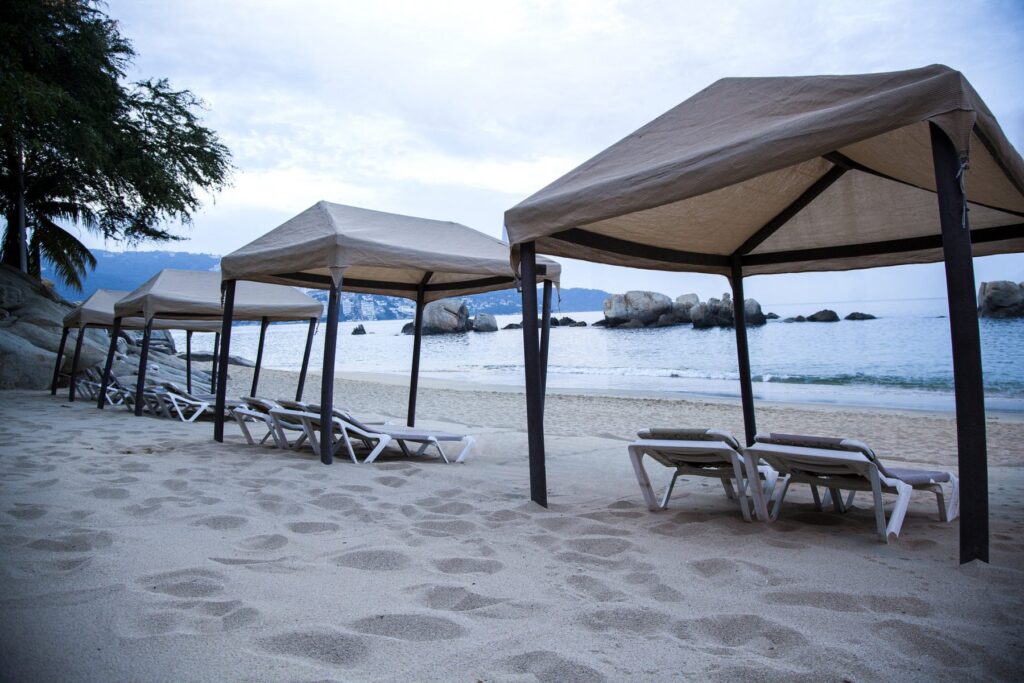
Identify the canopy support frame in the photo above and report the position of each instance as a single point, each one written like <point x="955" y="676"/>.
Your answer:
<point x="545" y="335"/>
<point x="327" y="378"/>
<point x="60" y="360"/>
<point x="743" y="351"/>
<point x="264" y="322"/>
<point x="305" y="359"/>
<point x="414" y="375"/>
<point x="140" y="380"/>
<point x="531" y="357"/>
<point x="215" y="362"/>
<point x="188" y="361"/>
<point x="968" y="382"/>
<point x="105" y="380"/>
<point x="222" y="344"/>
<point x="73" y="381"/>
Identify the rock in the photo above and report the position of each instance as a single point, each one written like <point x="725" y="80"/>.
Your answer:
<point x="999" y="299"/>
<point x="682" y="305"/>
<point x="687" y="300"/>
<point x="208" y="358"/>
<point x="666" y="320"/>
<point x="643" y="308"/>
<point x="771" y="316"/>
<point x="565" y="321"/>
<point x="713" y="313"/>
<point x="630" y="325"/>
<point x="825" y="315"/>
<point x="359" y="329"/>
<point x="23" y="365"/>
<point x="859" y="316"/>
<point x="579" y="323"/>
<point x="30" y="332"/>
<point x="485" y="322"/>
<point x="797" y="319"/>
<point x="445" y="316"/>
<point x="752" y="313"/>
<point x="513" y="326"/>
<point x="553" y="323"/>
<point x="601" y="323"/>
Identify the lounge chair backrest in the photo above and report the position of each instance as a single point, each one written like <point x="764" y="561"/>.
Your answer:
<point x="293" y="405"/>
<point x="825" y="442"/>
<point x="259" y="405"/>
<point x="346" y="416"/>
<point x="675" y="434"/>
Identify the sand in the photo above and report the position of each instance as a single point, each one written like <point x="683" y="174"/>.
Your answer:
<point x="139" y="549"/>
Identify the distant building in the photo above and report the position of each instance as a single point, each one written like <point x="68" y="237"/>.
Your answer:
<point x="367" y="309"/>
<point x="346" y="306"/>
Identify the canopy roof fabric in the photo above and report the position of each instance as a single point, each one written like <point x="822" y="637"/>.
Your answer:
<point x="195" y="294"/>
<point x="377" y="253"/>
<point x="787" y="174"/>
<point x="98" y="311"/>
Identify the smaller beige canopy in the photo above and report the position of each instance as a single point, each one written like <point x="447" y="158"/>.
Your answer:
<point x="377" y="253"/>
<point x="196" y="295"/>
<point x="98" y="311"/>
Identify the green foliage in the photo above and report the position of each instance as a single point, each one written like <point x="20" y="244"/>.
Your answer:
<point x="119" y="159"/>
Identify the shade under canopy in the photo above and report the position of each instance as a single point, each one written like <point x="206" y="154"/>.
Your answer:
<point x="195" y="294"/>
<point x="787" y="174"/>
<point x="378" y="253"/>
<point x="98" y="311"/>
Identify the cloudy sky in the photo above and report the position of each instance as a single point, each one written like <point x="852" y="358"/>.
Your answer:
<point x="457" y="110"/>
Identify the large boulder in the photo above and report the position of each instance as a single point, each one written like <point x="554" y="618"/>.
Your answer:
<point x="444" y="316"/>
<point x="1001" y="299"/>
<point x="485" y="322"/>
<point x="857" y="315"/>
<point x="640" y="308"/>
<point x="825" y="315"/>
<point x="682" y="305"/>
<point x="752" y="312"/>
<point x="713" y="313"/>
<point x="31" y="331"/>
<point x="359" y="329"/>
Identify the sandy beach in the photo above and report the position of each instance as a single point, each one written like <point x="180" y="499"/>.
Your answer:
<point x="139" y="549"/>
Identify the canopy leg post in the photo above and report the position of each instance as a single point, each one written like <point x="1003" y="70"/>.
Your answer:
<point x="743" y="351"/>
<point x="222" y="347"/>
<point x="305" y="359"/>
<point x="417" y="341"/>
<point x="545" y="334"/>
<point x="327" y="379"/>
<point x="534" y="391"/>
<point x="105" y="380"/>
<point x="966" y="342"/>
<point x="60" y="360"/>
<point x="259" y="356"/>
<point x="140" y="381"/>
<point x="188" y="361"/>
<point x="73" y="382"/>
<point x="215" y="362"/>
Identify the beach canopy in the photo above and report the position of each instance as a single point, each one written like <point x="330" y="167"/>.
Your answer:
<point x="196" y="294"/>
<point x="98" y="311"/>
<point x="377" y="253"/>
<point x="809" y="173"/>
<point x="812" y="173"/>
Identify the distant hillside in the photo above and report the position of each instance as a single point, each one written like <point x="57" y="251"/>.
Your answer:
<point x="127" y="270"/>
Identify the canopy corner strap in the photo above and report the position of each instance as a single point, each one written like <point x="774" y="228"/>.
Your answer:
<point x="955" y="241"/>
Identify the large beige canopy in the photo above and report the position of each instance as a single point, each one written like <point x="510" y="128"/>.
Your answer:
<point x="377" y="253"/>
<point x="789" y="174"/>
<point x="98" y="311"/>
<point x="195" y="294"/>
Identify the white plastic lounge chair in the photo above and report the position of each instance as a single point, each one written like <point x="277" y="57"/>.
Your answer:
<point x="185" y="406"/>
<point x="850" y="465"/>
<point x="257" y="410"/>
<point x="703" y="453"/>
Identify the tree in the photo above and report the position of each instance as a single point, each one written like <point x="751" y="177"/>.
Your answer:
<point x="80" y="145"/>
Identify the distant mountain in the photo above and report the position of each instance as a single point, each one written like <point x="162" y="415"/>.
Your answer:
<point x="129" y="269"/>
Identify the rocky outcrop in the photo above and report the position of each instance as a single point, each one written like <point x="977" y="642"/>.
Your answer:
<point x="485" y="322"/>
<point x="1000" y="299"/>
<point x="713" y="313"/>
<point x="513" y="326"/>
<point x="635" y="308"/>
<point x="649" y="309"/>
<point x="752" y="313"/>
<point x="823" y="316"/>
<point x="771" y="316"/>
<point x="208" y="358"/>
<point x="444" y="316"/>
<point x="795" y="319"/>
<point x="359" y="329"/>
<point x="856" y="315"/>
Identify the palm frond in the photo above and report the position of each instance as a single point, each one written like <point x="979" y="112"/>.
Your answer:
<point x="70" y="258"/>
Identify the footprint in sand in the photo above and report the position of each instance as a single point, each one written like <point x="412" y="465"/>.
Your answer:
<point x="600" y="547"/>
<point x="324" y="645"/>
<point x="185" y="583"/>
<point x="393" y="482"/>
<point x="374" y="560"/>
<point x="454" y="527"/>
<point x="335" y="501"/>
<point x="453" y="598"/>
<point x="550" y="667"/>
<point x="174" y="484"/>
<point x="76" y="541"/>
<point x="416" y="627"/>
<point x="848" y="602"/>
<point x="110" y="493"/>
<point x="263" y="542"/>
<point x="468" y="565"/>
<point x="313" y="527"/>
<point x="594" y="589"/>
<point x="626" y="620"/>
<point x="221" y="522"/>
<point x="731" y="570"/>
<point x="916" y="641"/>
<point x="27" y="511"/>
<point x="753" y="633"/>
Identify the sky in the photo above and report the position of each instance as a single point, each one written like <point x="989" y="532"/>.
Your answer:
<point x="458" y="110"/>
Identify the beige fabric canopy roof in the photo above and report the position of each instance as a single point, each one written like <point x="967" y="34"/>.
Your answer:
<point x="98" y="311"/>
<point x="378" y="253"/>
<point x="789" y="174"/>
<point x="195" y="294"/>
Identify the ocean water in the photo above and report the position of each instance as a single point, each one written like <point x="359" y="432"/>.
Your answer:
<point x="901" y="360"/>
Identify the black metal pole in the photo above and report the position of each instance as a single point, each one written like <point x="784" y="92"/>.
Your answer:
<point x="259" y="356"/>
<point x="534" y="392"/>
<point x="140" y="381"/>
<point x="966" y="341"/>
<point x="215" y="362"/>
<point x="305" y="359"/>
<point x="60" y="360"/>
<point x="743" y="351"/>
<point x="105" y="380"/>
<point x="417" y="340"/>
<point x="188" y="361"/>
<point x="545" y="334"/>
<point x="73" y="382"/>
<point x="327" y="379"/>
<point x="224" y="348"/>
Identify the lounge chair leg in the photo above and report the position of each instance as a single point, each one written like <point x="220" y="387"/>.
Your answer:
<point x="668" y="490"/>
<point x="756" y="490"/>
<point x="876" y="491"/>
<point x="384" y="439"/>
<point x="817" y="498"/>
<point x="849" y="499"/>
<point x="780" y="494"/>
<point x="729" y="493"/>
<point x="741" y="486"/>
<point x="635" y="458"/>
<point x="953" y="509"/>
<point x="899" y="511"/>
<point x="837" y="500"/>
<point x="466" y="449"/>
